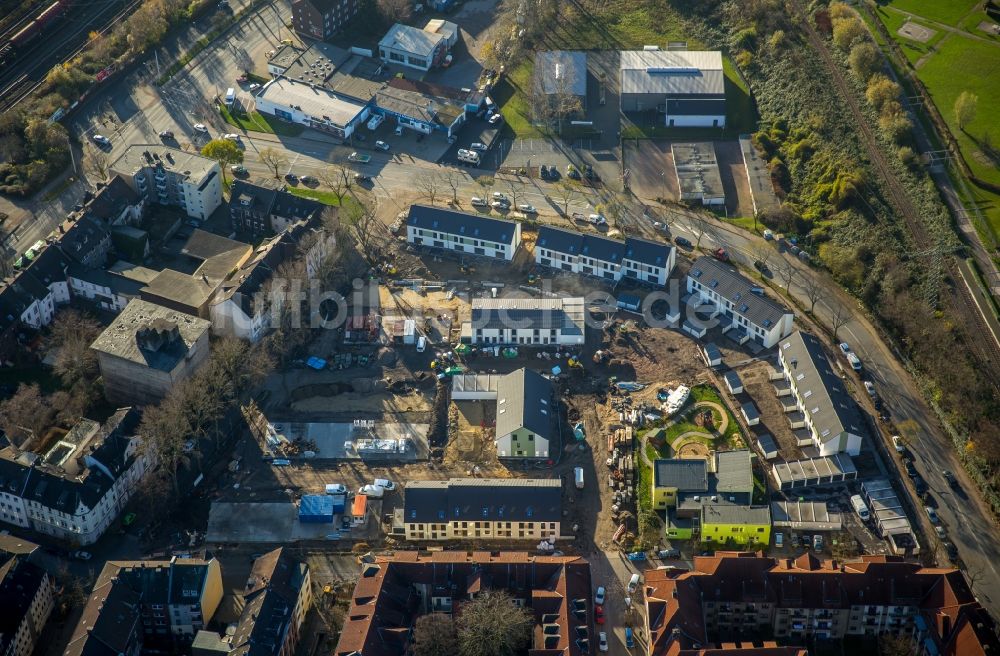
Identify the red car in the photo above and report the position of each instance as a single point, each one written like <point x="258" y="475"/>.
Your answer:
<point x="599" y="614"/>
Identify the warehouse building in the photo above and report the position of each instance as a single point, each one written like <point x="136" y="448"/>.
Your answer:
<point x="311" y="105"/>
<point x="688" y="87"/>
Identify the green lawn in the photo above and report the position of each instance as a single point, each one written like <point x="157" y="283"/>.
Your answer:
<point x="913" y="50"/>
<point x="971" y="25"/>
<point x="325" y="197"/>
<point x="257" y="122"/>
<point x="949" y="12"/>
<point x="511" y="94"/>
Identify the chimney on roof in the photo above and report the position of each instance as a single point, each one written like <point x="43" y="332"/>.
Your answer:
<point x="157" y="335"/>
<point x="795" y="363"/>
<point x="943" y="625"/>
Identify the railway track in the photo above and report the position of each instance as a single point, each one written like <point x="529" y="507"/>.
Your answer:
<point x="962" y="303"/>
<point x="14" y="92"/>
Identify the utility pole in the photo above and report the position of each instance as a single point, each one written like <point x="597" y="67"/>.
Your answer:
<point x="934" y="258"/>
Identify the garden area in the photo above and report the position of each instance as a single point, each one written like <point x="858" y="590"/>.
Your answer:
<point x="706" y="425"/>
<point x="254" y="121"/>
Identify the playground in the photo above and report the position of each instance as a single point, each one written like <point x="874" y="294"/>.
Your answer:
<point x="703" y="426"/>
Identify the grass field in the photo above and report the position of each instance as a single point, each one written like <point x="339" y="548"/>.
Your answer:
<point x="620" y="25"/>
<point x="949" y="12"/>
<point x="256" y="122"/>
<point x="956" y="64"/>
<point x="913" y="50"/>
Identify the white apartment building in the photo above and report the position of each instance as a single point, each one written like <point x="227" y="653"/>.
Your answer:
<point x="738" y="303"/>
<point x="641" y="260"/>
<point x="170" y="176"/>
<point x="822" y="405"/>
<point x="493" y="508"/>
<point x="459" y="231"/>
<point x="526" y="322"/>
<point x="80" y="486"/>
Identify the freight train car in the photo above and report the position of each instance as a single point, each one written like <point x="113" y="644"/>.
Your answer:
<point x="34" y="29"/>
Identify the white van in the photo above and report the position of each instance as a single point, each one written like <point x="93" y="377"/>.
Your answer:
<point x="375" y="122"/>
<point x="578" y="477"/>
<point x="421" y="344"/>
<point x="633" y="583"/>
<point x="479" y="202"/>
<point x="859" y="507"/>
<point x="230" y="96"/>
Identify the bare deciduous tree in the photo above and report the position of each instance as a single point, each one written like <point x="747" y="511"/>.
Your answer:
<point x="71" y="335"/>
<point x="273" y="159"/>
<point x="491" y="625"/>
<point x="513" y="187"/>
<point x="337" y="179"/>
<point x="26" y="414"/>
<point x="565" y="192"/>
<point x="97" y="163"/>
<point x="553" y="96"/>
<point x="430" y="185"/>
<point x="840" y="316"/>
<point x="434" y="635"/>
<point x="813" y="291"/>
<point x="786" y="272"/>
<point x="762" y="253"/>
<point x="485" y="183"/>
<point x="395" y="11"/>
<point x="453" y="180"/>
<point x="368" y="232"/>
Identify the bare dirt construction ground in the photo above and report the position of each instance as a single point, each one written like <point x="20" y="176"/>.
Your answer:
<point x="470" y="439"/>
<point x="758" y="386"/>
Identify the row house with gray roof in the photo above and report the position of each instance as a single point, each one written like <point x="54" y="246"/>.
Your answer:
<point x="461" y="232"/>
<point x="491" y="508"/>
<point x="526" y="322"/>
<point x="641" y="260"/>
<point x="822" y="406"/>
<point x="738" y="303"/>
<point x="76" y="489"/>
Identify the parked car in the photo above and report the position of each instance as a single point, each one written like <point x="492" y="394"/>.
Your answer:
<point x="166" y="134"/>
<point x="683" y="242"/>
<point x="870" y="388"/>
<point x="768" y="235"/>
<point x="911" y="471"/>
<point x="920" y="485"/>
<point x="381" y="145"/>
<point x="478" y="146"/>
<point x="597" y="219"/>
<point x="479" y="202"/>
<point x="665" y="554"/>
<point x="358" y="157"/>
<point x="361" y="177"/>
<point x="500" y="205"/>
<point x="932" y="515"/>
<point x="543" y="172"/>
<point x="721" y="254"/>
<point x="496" y="118"/>
<point x="336" y="488"/>
<point x="779" y="540"/>
<point x="81" y="555"/>
<point x="602" y="641"/>
<point x="950" y="478"/>
<point x="232" y="136"/>
<point x="101" y="140"/>
<point x="897" y="444"/>
<point x="254" y="87"/>
<point x="761" y="266"/>
<point x="818" y="542"/>
<point x="599" y="596"/>
<point x="527" y="209"/>
<point x="599" y="614"/>
<point x="498" y="195"/>
<point x="952" y="551"/>
<point x="629" y="640"/>
<point x="940" y="532"/>
<point x="291" y="177"/>
<point x="855" y="363"/>
<point x="200" y="127"/>
<point x="572" y="173"/>
<point x="385" y="483"/>
<point x="309" y="180"/>
<point x="845" y="348"/>
<point x="373" y="491"/>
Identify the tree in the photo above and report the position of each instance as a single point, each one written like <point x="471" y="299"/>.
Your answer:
<point x="71" y="335"/>
<point x="553" y="94"/>
<point x="813" y="291"/>
<point x="453" y="179"/>
<point x="272" y="158"/>
<point x="565" y="192"/>
<point x="848" y="31"/>
<point x="337" y="179"/>
<point x="97" y="163"/>
<point x="26" y="414"/>
<point x="485" y="183"/>
<point x="513" y="186"/>
<point x="491" y="625"/>
<point x="881" y="90"/>
<point x="762" y="253"/>
<point x="429" y="184"/>
<point x="368" y="232"/>
<point x="225" y="152"/>
<point x="865" y="60"/>
<point x="840" y="316"/>
<point x="965" y="109"/>
<point x="434" y="635"/>
<point x="395" y="11"/>
<point x="164" y="431"/>
<point x="787" y="273"/>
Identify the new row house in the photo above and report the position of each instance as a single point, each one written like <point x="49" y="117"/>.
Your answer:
<point x="462" y="232"/>
<point x="526" y="322"/>
<point x="740" y="304"/>
<point x="637" y="259"/>
<point x="822" y="406"/>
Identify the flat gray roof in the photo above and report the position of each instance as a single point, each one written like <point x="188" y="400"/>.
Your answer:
<point x="562" y="71"/>
<point x="806" y="515"/>
<point x="697" y="170"/>
<point x="316" y="101"/>
<point x="119" y="339"/>
<point x="411" y="40"/>
<point x="836" y="466"/>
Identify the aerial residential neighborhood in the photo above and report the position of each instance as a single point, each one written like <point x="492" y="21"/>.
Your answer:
<point x="499" y="328"/>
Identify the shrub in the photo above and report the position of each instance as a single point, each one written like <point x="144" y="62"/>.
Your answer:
<point x="743" y="59"/>
<point x="839" y="10"/>
<point x="881" y="90"/>
<point x="848" y="31"/>
<point x="777" y="40"/>
<point x="865" y="60"/>
<point x="908" y="157"/>
<point x="896" y="127"/>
